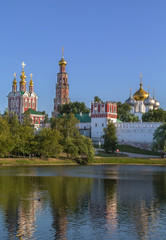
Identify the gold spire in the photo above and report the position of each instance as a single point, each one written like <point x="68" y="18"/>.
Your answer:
<point x="153" y="93"/>
<point x="14" y="81"/>
<point x="141" y="94"/>
<point x="130" y="92"/>
<point x="62" y="61"/>
<point x="31" y="82"/>
<point x="23" y="76"/>
<point x="140" y="78"/>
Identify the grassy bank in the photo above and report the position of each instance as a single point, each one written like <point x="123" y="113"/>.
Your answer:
<point x="64" y="161"/>
<point x="126" y="160"/>
<point x="35" y="161"/>
<point x="131" y="149"/>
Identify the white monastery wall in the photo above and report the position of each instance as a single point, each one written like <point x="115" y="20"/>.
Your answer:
<point x="97" y="125"/>
<point x="138" y="134"/>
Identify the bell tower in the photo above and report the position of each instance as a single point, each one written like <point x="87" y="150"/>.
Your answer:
<point x="62" y="87"/>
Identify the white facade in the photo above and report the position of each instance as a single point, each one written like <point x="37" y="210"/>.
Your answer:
<point x="100" y="114"/>
<point x="139" y="134"/>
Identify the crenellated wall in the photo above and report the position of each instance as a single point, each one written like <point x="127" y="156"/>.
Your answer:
<point x="139" y="134"/>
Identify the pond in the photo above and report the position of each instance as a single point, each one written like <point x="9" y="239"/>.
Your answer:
<point x="83" y="202"/>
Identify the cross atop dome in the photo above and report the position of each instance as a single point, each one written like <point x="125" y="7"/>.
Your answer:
<point x="140" y="77"/>
<point x="31" y="75"/>
<point x="23" y="65"/>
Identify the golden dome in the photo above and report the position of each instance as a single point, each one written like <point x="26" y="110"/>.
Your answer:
<point x="62" y="62"/>
<point x="23" y="76"/>
<point x="14" y="81"/>
<point x="141" y="94"/>
<point x="31" y="82"/>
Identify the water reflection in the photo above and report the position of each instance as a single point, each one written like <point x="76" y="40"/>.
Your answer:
<point x="111" y="202"/>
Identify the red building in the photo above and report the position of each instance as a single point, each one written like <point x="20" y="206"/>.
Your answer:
<point x="20" y="100"/>
<point x="62" y="87"/>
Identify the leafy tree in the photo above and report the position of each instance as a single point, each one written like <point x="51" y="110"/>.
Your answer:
<point x="110" y="138"/>
<point x="66" y="124"/>
<point x="70" y="148"/>
<point x="124" y="113"/>
<point x="75" y="145"/>
<point x="48" y="142"/>
<point x="73" y="107"/>
<point x="85" y="149"/>
<point x="26" y="138"/>
<point x="159" y="139"/>
<point x="97" y="99"/>
<point x="6" y="143"/>
<point x="15" y="131"/>
<point x="158" y="115"/>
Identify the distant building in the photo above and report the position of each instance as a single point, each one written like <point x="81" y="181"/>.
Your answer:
<point x="21" y="101"/>
<point x="84" y="124"/>
<point x="100" y="114"/>
<point x="141" y="101"/>
<point x="62" y="87"/>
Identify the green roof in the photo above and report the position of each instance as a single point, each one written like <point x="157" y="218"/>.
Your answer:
<point x="119" y="121"/>
<point x="32" y="111"/>
<point x="22" y="92"/>
<point x="83" y="118"/>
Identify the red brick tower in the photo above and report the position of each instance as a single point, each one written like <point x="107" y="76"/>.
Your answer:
<point x="62" y="87"/>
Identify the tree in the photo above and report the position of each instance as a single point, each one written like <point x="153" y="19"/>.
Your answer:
<point x="159" y="139"/>
<point x="66" y="124"/>
<point x="70" y="148"/>
<point x="75" y="145"/>
<point x="158" y="115"/>
<point x="48" y="142"/>
<point x="97" y="99"/>
<point x="73" y="107"/>
<point x="6" y="142"/>
<point x="110" y="138"/>
<point x="124" y="113"/>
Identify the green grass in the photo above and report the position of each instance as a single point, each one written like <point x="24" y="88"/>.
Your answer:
<point x="104" y="154"/>
<point x="125" y="160"/>
<point x="131" y="149"/>
<point x="35" y="161"/>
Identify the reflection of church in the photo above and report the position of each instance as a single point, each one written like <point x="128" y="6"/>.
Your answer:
<point x="141" y="101"/>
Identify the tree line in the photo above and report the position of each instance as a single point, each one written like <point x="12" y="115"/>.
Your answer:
<point x="20" y="139"/>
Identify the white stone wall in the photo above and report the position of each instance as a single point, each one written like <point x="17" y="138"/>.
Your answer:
<point x="137" y="133"/>
<point x="97" y="125"/>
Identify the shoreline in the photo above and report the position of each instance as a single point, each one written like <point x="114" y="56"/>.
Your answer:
<point x="13" y="162"/>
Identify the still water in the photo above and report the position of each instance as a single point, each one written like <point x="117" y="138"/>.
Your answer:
<point x="83" y="202"/>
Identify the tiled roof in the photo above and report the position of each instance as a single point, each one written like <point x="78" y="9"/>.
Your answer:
<point x="32" y="111"/>
<point x="83" y="118"/>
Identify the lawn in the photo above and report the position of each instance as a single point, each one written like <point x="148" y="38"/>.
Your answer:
<point x="125" y="160"/>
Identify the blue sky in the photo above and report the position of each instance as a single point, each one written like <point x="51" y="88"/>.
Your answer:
<point x="106" y="43"/>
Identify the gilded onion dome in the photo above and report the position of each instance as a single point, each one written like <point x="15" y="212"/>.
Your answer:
<point x="14" y="81"/>
<point x="62" y="61"/>
<point x="31" y="82"/>
<point x="130" y="100"/>
<point x="23" y="76"/>
<point x="141" y="94"/>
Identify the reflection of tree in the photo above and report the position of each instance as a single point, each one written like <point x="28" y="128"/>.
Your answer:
<point x="21" y="198"/>
<point x="18" y="202"/>
<point x="136" y="202"/>
<point x="66" y="195"/>
<point x="103" y="205"/>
